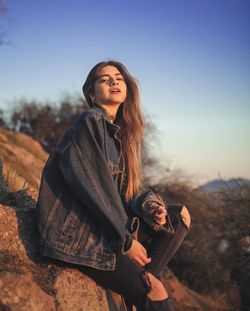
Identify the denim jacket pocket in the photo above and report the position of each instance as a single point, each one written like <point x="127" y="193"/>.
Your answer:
<point x="70" y="221"/>
<point x="74" y="229"/>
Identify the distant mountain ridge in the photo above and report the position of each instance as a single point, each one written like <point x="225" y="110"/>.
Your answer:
<point x="217" y="184"/>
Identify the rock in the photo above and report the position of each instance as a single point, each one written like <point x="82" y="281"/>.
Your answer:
<point x="75" y="291"/>
<point x="20" y="293"/>
<point x="29" y="281"/>
<point x="23" y="159"/>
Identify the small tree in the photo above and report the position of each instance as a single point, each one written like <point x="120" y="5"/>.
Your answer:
<point x="46" y="123"/>
<point x="2" y="121"/>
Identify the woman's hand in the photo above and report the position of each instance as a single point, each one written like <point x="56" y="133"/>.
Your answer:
<point x="160" y="214"/>
<point x="138" y="253"/>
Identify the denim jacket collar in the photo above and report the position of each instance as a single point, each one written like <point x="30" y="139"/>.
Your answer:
<point x="113" y="127"/>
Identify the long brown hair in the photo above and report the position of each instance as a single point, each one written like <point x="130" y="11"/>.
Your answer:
<point x="130" y="119"/>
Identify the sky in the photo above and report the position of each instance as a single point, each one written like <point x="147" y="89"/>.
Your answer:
<point x="191" y="58"/>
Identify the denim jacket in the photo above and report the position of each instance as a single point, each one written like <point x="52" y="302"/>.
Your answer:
<point x="81" y="214"/>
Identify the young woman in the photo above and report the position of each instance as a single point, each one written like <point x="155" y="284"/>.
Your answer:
<point x="92" y="210"/>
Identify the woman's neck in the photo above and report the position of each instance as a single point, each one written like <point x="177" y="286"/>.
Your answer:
<point x="111" y="111"/>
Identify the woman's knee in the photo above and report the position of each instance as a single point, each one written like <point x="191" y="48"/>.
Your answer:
<point x="157" y="291"/>
<point x="186" y="218"/>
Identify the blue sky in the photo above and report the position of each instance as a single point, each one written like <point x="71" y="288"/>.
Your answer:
<point x="190" y="57"/>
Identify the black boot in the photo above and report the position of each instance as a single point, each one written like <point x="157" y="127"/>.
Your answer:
<point x="115" y="301"/>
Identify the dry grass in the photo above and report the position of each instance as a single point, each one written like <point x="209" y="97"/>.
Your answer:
<point x="201" y="262"/>
<point x="15" y="181"/>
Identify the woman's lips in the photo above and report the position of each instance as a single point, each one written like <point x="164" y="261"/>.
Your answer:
<point x="115" y="90"/>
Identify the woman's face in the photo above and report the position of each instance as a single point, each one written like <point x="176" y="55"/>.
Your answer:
<point x="110" y="87"/>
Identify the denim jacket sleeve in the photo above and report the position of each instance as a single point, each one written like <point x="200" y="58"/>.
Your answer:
<point x="143" y="206"/>
<point x="85" y="169"/>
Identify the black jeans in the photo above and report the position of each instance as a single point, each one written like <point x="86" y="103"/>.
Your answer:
<point x="129" y="279"/>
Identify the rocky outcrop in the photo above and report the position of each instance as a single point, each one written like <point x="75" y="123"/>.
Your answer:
<point x="23" y="159"/>
<point x="31" y="282"/>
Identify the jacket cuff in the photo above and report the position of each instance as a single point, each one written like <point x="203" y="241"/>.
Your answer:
<point x="127" y="244"/>
<point x="123" y="245"/>
<point x="148" y="211"/>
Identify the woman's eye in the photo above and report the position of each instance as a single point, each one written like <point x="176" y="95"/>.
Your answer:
<point x="106" y="79"/>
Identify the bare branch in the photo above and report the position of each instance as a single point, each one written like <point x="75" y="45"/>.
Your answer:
<point x="2" y="12"/>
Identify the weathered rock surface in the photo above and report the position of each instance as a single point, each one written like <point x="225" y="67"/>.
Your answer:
<point x="29" y="281"/>
<point x="20" y="292"/>
<point x="23" y="158"/>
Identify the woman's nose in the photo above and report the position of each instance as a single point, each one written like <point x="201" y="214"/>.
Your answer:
<point x="114" y="82"/>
